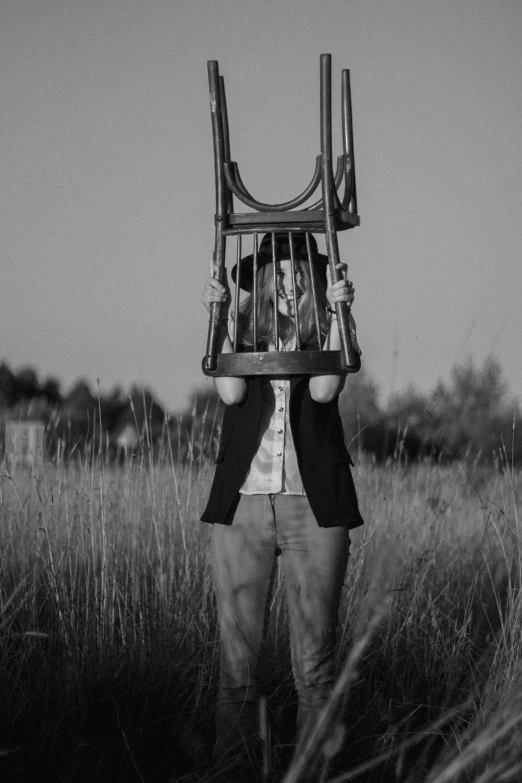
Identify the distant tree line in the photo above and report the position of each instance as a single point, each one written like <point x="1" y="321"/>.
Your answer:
<point x="80" y="418"/>
<point x="470" y="415"/>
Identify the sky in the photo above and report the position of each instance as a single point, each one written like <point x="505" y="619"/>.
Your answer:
<point x="107" y="185"/>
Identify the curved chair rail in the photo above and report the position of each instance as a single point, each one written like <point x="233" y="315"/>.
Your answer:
<point x="237" y="187"/>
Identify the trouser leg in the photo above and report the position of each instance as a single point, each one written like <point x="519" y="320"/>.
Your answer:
<point x="243" y="561"/>
<point x="314" y="561"/>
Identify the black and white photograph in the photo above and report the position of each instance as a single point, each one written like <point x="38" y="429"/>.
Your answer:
<point x="260" y="391"/>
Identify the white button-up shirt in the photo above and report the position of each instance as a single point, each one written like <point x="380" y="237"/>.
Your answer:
<point x="274" y="468"/>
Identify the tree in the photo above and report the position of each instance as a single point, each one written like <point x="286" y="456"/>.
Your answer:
<point x="7" y="386"/>
<point x="411" y="412"/>
<point x="80" y="397"/>
<point x="473" y="412"/>
<point x="27" y="386"/>
<point x="51" y="390"/>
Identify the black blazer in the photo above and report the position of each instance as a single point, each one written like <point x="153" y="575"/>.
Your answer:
<point x="324" y="462"/>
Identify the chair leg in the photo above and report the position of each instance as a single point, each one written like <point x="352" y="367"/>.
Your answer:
<point x="220" y="139"/>
<point x="350" y="356"/>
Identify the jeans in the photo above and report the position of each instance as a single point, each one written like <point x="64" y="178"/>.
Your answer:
<point x="243" y="568"/>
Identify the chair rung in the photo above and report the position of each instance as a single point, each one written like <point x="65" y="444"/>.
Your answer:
<point x="281" y="363"/>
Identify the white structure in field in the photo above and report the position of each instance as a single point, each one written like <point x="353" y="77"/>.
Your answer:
<point x="23" y="443"/>
<point x="127" y="441"/>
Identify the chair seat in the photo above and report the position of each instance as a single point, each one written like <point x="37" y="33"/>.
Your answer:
<point x="281" y="363"/>
<point x="308" y="220"/>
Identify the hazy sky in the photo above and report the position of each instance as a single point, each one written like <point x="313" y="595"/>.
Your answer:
<point x="107" y="188"/>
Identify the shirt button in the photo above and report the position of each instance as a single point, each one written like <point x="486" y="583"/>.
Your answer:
<point x="279" y="432"/>
<point x="280" y="388"/>
<point x="281" y="410"/>
<point x="279" y="453"/>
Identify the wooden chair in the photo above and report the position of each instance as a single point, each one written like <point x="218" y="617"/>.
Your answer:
<point x="327" y="215"/>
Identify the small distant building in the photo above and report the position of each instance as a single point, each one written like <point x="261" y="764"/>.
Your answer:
<point x="23" y="444"/>
<point x="126" y="441"/>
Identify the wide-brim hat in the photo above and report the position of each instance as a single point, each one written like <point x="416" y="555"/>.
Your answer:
<point x="282" y="252"/>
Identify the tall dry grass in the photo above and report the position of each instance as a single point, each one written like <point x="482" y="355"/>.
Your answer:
<point x="108" y="650"/>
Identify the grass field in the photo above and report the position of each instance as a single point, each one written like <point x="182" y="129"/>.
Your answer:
<point x="108" y="659"/>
